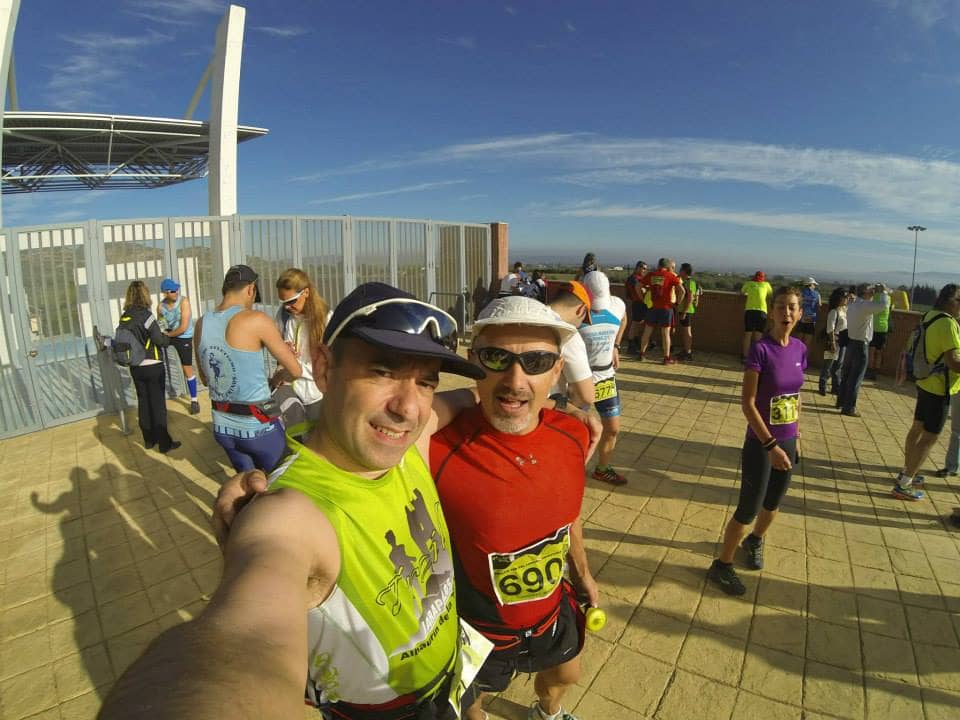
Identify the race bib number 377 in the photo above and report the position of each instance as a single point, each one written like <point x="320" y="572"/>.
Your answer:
<point x="530" y="573"/>
<point x="784" y="409"/>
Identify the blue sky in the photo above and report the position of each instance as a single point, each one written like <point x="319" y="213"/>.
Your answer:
<point x="770" y="134"/>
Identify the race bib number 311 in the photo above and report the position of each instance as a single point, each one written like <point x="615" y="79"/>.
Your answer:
<point x="784" y="409"/>
<point x="531" y="573"/>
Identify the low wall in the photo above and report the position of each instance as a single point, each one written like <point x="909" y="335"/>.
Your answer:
<point x="719" y="327"/>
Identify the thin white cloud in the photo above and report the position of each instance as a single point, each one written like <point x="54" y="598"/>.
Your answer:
<point x="474" y="196"/>
<point x="463" y="41"/>
<point x="421" y="187"/>
<point x="509" y="9"/>
<point x="927" y="14"/>
<point x="175" y="12"/>
<point x="923" y="188"/>
<point x="847" y="226"/>
<point x="89" y="73"/>
<point x="286" y="31"/>
<point x="569" y="26"/>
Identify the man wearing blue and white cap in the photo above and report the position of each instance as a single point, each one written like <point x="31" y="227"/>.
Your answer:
<point x="176" y="320"/>
<point x="341" y="579"/>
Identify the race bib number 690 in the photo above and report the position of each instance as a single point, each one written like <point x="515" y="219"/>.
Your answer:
<point x="531" y="573"/>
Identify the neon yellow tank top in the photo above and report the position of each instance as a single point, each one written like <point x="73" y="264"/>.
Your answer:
<point x="390" y="626"/>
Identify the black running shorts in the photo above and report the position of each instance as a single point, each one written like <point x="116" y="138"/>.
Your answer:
<point x="931" y="410"/>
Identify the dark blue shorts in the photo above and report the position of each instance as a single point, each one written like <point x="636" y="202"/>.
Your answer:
<point x="262" y="452"/>
<point x="660" y="317"/>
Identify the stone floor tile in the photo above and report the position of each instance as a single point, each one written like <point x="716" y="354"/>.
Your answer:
<point x="782" y="593"/>
<point x="27" y="694"/>
<point x="173" y="593"/>
<point x="888" y="658"/>
<point x="670" y="597"/>
<point x="888" y="700"/>
<point x="786" y="563"/>
<point x="876" y="583"/>
<point x="828" y="689"/>
<point x="725" y="614"/>
<point x="939" y="666"/>
<point x="125" y="648"/>
<point x="684" y="566"/>
<point x="868" y="555"/>
<point x="712" y="655"/>
<point x="592" y="658"/>
<point x="945" y="570"/>
<point x="26" y="652"/>
<point x="618" y="612"/>
<point x="920" y="591"/>
<point x="773" y="674"/>
<point x="658" y="636"/>
<point x="68" y="636"/>
<point x="614" y="517"/>
<point x="125" y="581"/>
<point x="882" y="617"/>
<point x="940" y="705"/>
<point x="160" y="567"/>
<point x="622" y="581"/>
<point x="23" y="619"/>
<point x="931" y="626"/>
<point x="691" y="696"/>
<point x="909" y="562"/>
<point x="593" y="706"/>
<point x="119" y="616"/>
<point x="779" y="630"/>
<point x="84" y="707"/>
<point x="829" y="573"/>
<point x="833" y="606"/>
<point x="833" y="644"/>
<point x="642" y="555"/>
<point x="617" y="681"/>
<point x="754" y="706"/>
<point x="79" y="673"/>
<point x="827" y="547"/>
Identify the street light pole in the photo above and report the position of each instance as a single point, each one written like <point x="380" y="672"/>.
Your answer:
<point x="917" y="229"/>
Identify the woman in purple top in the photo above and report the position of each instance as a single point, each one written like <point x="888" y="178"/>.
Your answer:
<point x="772" y="379"/>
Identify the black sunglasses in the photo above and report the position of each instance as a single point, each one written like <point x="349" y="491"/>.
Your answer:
<point x="533" y="362"/>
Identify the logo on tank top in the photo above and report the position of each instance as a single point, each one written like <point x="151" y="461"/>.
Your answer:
<point x="423" y="575"/>
<point x="221" y="371"/>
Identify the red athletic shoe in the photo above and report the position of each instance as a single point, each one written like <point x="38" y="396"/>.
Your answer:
<point x="669" y="361"/>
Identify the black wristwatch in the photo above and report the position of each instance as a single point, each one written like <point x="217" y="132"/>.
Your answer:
<point x="561" y="401"/>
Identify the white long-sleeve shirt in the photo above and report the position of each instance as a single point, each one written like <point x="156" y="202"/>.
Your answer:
<point x="860" y="319"/>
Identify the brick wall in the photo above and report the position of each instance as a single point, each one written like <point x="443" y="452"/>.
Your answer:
<point x="719" y="327"/>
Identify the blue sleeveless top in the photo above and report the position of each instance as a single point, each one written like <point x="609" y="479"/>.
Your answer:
<point x="238" y="376"/>
<point x="171" y="318"/>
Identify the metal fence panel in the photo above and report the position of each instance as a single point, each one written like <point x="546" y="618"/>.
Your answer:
<point x="321" y="243"/>
<point x="53" y="269"/>
<point x="371" y="240"/>
<point x="59" y="281"/>
<point x="410" y="251"/>
<point x="17" y="400"/>
<point x="269" y="248"/>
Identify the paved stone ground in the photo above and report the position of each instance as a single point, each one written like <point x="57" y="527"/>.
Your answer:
<point x="857" y="615"/>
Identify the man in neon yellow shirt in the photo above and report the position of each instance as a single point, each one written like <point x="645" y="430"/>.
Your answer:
<point x="758" y="292"/>
<point x="342" y="581"/>
<point x="942" y="349"/>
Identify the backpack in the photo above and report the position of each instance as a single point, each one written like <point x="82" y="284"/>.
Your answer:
<point x="128" y="347"/>
<point x="916" y="353"/>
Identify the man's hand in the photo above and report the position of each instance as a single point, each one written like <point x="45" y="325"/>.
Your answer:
<point x="593" y="425"/>
<point x="616" y="358"/>
<point x="234" y="495"/>
<point x="587" y="590"/>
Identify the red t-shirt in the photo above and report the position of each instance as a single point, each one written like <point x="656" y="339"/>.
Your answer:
<point x="661" y="282"/>
<point x="509" y="502"/>
<point x="634" y="287"/>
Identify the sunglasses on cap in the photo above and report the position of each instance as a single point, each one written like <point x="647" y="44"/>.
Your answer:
<point x="405" y="315"/>
<point x="291" y="301"/>
<point x="533" y="362"/>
